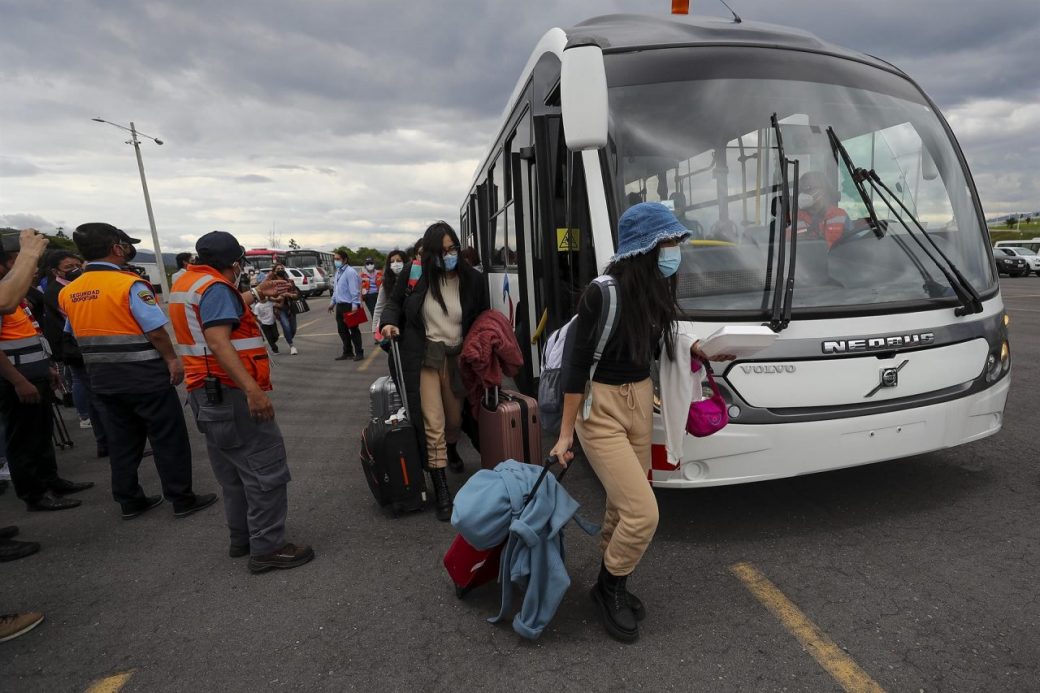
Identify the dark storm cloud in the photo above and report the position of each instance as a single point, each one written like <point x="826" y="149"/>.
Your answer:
<point x="356" y="107"/>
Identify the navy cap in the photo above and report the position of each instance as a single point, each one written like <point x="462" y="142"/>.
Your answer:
<point x="219" y="247"/>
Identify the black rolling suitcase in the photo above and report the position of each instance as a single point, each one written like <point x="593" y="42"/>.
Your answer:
<point x="390" y="457"/>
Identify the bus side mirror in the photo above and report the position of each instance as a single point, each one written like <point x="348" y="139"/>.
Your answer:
<point x="583" y="98"/>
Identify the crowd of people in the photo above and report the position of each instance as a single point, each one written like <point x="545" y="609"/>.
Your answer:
<point x="114" y="338"/>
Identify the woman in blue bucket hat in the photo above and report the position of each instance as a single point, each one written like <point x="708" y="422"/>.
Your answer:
<point x="610" y="402"/>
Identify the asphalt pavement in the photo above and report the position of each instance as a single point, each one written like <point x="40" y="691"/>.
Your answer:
<point x="917" y="574"/>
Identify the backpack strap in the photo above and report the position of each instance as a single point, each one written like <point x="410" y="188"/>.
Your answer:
<point x="608" y="317"/>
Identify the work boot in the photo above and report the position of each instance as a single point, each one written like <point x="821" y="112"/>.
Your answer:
<point x="441" y="494"/>
<point x="289" y="556"/>
<point x="611" y="594"/>
<point x="455" y="462"/>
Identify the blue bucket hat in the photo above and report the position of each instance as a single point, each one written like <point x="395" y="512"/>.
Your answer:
<point x="643" y="226"/>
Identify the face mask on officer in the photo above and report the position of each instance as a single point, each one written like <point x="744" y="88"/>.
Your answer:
<point x="129" y="251"/>
<point x="237" y="267"/>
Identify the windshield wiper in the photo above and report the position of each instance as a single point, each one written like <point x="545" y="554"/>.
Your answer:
<point x="783" y="289"/>
<point x="970" y="300"/>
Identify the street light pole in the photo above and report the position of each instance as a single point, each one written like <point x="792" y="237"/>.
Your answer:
<point x="160" y="265"/>
<point x="151" y="217"/>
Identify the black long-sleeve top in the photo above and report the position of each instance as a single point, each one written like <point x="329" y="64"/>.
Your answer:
<point x="617" y="366"/>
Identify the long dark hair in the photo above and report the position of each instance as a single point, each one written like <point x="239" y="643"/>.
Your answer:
<point x="432" y="257"/>
<point x="648" y="305"/>
<point x="389" y="276"/>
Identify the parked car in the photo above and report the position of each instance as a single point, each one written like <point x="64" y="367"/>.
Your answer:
<point x="318" y="281"/>
<point x="1028" y="255"/>
<point x="1013" y="266"/>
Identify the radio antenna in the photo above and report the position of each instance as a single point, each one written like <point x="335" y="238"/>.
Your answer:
<point x="736" y="17"/>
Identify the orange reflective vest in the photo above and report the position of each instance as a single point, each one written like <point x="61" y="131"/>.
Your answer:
<point x="830" y="226"/>
<point x="185" y="299"/>
<point x="366" y="281"/>
<point x="97" y="305"/>
<point x="20" y="339"/>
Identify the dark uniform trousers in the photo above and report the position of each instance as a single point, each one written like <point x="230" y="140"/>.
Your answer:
<point x="350" y="336"/>
<point x="249" y="461"/>
<point x="30" y="447"/>
<point x="132" y="418"/>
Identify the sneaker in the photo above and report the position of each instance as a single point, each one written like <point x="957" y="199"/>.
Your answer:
<point x="13" y="625"/>
<point x="85" y="423"/>
<point x="293" y="351"/>
<point x="200" y="502"/>
<point x="130" y="511"/>
<point x="5" y="472"/>
<point x="11" y="550"/>
<point x="289" y="556"/>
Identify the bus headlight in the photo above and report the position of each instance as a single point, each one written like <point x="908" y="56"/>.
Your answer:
<point x="998" y="363"/>
<point x="1005" y="357"/>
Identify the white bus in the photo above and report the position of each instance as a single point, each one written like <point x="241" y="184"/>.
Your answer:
<point x="1033" y="244"/>
<point x="892" y="338"/>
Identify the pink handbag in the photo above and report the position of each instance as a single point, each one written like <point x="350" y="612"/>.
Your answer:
<point x="710" y="415"/>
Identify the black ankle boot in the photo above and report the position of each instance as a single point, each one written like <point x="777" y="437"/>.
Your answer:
<point x="455" y="462"/>
<point x="611" y="594"/>
<point x="441" y="494"/>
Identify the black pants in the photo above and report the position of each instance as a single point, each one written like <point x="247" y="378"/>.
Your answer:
<point x="271" y="332"/>
<point x="97" y="423"/>
<point x="370" y="303"/>
<point x="350" y="336"/>
<point x="130" y="419"/>
<point x="30" y="448"/>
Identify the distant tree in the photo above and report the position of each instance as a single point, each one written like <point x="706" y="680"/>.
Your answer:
<point x="293" y="245"/>
<point x="61" y="242"/>
<point x="61" y="232"/>
<point x="1012" y="222"/>
<point x="1028" y="219"/>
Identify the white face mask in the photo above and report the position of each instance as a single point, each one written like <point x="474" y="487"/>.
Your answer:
<point x="805" y="200"/>
<point x="396" y="267"/>
<point x="238" y="275"/>
<point x="370" y="267"/>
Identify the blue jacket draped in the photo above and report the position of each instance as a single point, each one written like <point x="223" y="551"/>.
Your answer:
<point x="489" y="510"/>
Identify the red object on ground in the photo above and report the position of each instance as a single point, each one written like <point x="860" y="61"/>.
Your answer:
<point x="470" y="567"/>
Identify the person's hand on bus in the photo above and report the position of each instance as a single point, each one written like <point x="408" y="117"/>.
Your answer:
<point x="695" y="352"/>
<point x="562" y="450"/>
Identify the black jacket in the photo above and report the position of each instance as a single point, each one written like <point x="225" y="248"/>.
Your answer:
<point x="63" y="344"/>
<point x="404" y="310"/>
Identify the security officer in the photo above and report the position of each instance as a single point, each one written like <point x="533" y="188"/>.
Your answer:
<point x="227" y="372"/>
<point x="133" y="369"/>
<point x="26" y="398"/>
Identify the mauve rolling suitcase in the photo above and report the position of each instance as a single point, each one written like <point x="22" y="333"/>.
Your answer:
<point x="470" y="567"/>
<point x="509" y="428"/>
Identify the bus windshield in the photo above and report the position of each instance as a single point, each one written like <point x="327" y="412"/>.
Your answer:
<point x="700" y="142"/>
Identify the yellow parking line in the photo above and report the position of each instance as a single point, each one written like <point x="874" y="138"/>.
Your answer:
<point x="824" y="650"/>
<point x="110" y="684"/>
<point x="371" y="357"/>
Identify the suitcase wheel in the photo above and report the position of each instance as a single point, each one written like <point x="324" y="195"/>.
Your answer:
<point x="461" y="592"/>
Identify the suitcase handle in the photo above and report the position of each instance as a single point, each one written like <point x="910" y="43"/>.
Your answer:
<point x="395" y="353"/>
<point x="546" y="466"/>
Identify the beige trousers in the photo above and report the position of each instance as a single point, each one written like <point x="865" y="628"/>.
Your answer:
<point x="616" y="440"/>
<point x="442" y="414"/>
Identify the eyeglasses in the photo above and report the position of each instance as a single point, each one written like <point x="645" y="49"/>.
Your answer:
<point x="451" y="250"/>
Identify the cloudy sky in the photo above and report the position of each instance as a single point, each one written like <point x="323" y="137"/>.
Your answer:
<point x="358" y="123"/>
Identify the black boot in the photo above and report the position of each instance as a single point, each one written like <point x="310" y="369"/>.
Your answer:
<point x="455" y="462"/>
<point x="611" y="595"/>
<point x="441" y="493"/>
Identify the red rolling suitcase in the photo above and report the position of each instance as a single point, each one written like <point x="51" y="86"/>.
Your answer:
<point x="509" y="428"/>
<point x="470" y="567"/>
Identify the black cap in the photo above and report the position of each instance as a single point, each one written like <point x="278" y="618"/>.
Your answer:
<point x="97" y="229"/>
<point x="219" y="249"/>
